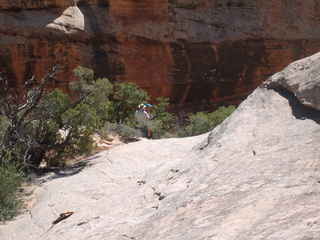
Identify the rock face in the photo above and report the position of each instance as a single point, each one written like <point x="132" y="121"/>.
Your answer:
<point x="255" y="176"/>
<point x="198" y="53"/>
<point x="290" y="79"/>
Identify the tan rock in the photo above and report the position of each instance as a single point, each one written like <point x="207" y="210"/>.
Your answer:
<point x="43" y="164"/>
<point x="290" y="79"/>
<point x="71" y="20"/>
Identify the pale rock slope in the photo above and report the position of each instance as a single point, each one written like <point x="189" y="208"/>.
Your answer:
<point x="255" y="176"/>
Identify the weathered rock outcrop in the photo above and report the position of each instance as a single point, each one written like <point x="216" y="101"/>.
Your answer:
<point x="308" y="92"/>
<point x="255" y="176"/>
<point x="198" y="53"/>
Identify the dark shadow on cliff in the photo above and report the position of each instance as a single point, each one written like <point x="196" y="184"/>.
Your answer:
<point x="219" y="75"/>
<point x="299" y="110"/>
<point x="99" y="38"/>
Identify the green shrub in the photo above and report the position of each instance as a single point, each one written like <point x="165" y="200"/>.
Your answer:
<point x="11" y="177"/>
<point x="202" y="122"/>
<point x="32" y="120"/>
<point x="162" y="122"/>
<point x="95" y="93"/>
<point x="4" y="123"/>
<point x="125" y="100"/>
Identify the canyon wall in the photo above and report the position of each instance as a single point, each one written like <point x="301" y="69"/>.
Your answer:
<point x="200" y="54"/>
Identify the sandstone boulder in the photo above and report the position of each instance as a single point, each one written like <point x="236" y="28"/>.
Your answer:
<point x="308" y="92"/>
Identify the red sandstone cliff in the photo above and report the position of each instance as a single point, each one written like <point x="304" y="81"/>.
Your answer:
<point x="199" y="53"/>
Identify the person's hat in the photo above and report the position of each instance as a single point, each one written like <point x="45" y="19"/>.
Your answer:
<point x="142" y="106"/>
<point x="149" y="105"/>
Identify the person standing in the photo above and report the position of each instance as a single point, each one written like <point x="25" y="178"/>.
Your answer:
<point x="141" y="118"/>
<point x="149" y="109"/>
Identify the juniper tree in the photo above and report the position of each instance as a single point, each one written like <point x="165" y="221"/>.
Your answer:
<point x="37" y="123"/>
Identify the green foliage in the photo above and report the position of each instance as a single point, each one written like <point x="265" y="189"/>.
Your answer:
<point x="100" y="99"/>
<point x="56" y="103"/>
<point x="32" y="121"/>
<point x="161" y="121"/>
<point x="95" y="93"/>
<point x="79" y="124"/>
<point x="49" y="111"/>
<point x="28" y="118"/>
<point x="81" y="120"/>
<point x="11" y="177"/>
<point x="202" y="122"/>
<point x="126" y="98"/>
<point x="84" y="75"/>
<point x="4" y="124"/>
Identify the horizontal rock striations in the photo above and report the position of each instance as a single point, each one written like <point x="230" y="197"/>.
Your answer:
<point x="200" y="54"/>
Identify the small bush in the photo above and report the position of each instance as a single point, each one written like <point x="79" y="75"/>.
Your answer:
<point x="126" y="98"/>
<point x="202" y="122"/>
<point x="161" y="122"/>
<point x="11" y="178"/>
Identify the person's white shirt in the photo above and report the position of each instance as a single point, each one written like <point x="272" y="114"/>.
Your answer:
<point x="141" y="116"/>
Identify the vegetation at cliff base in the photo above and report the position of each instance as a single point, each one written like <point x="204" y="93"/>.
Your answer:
<point x="201" y="122"/>
<point x="37" y="124"/>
